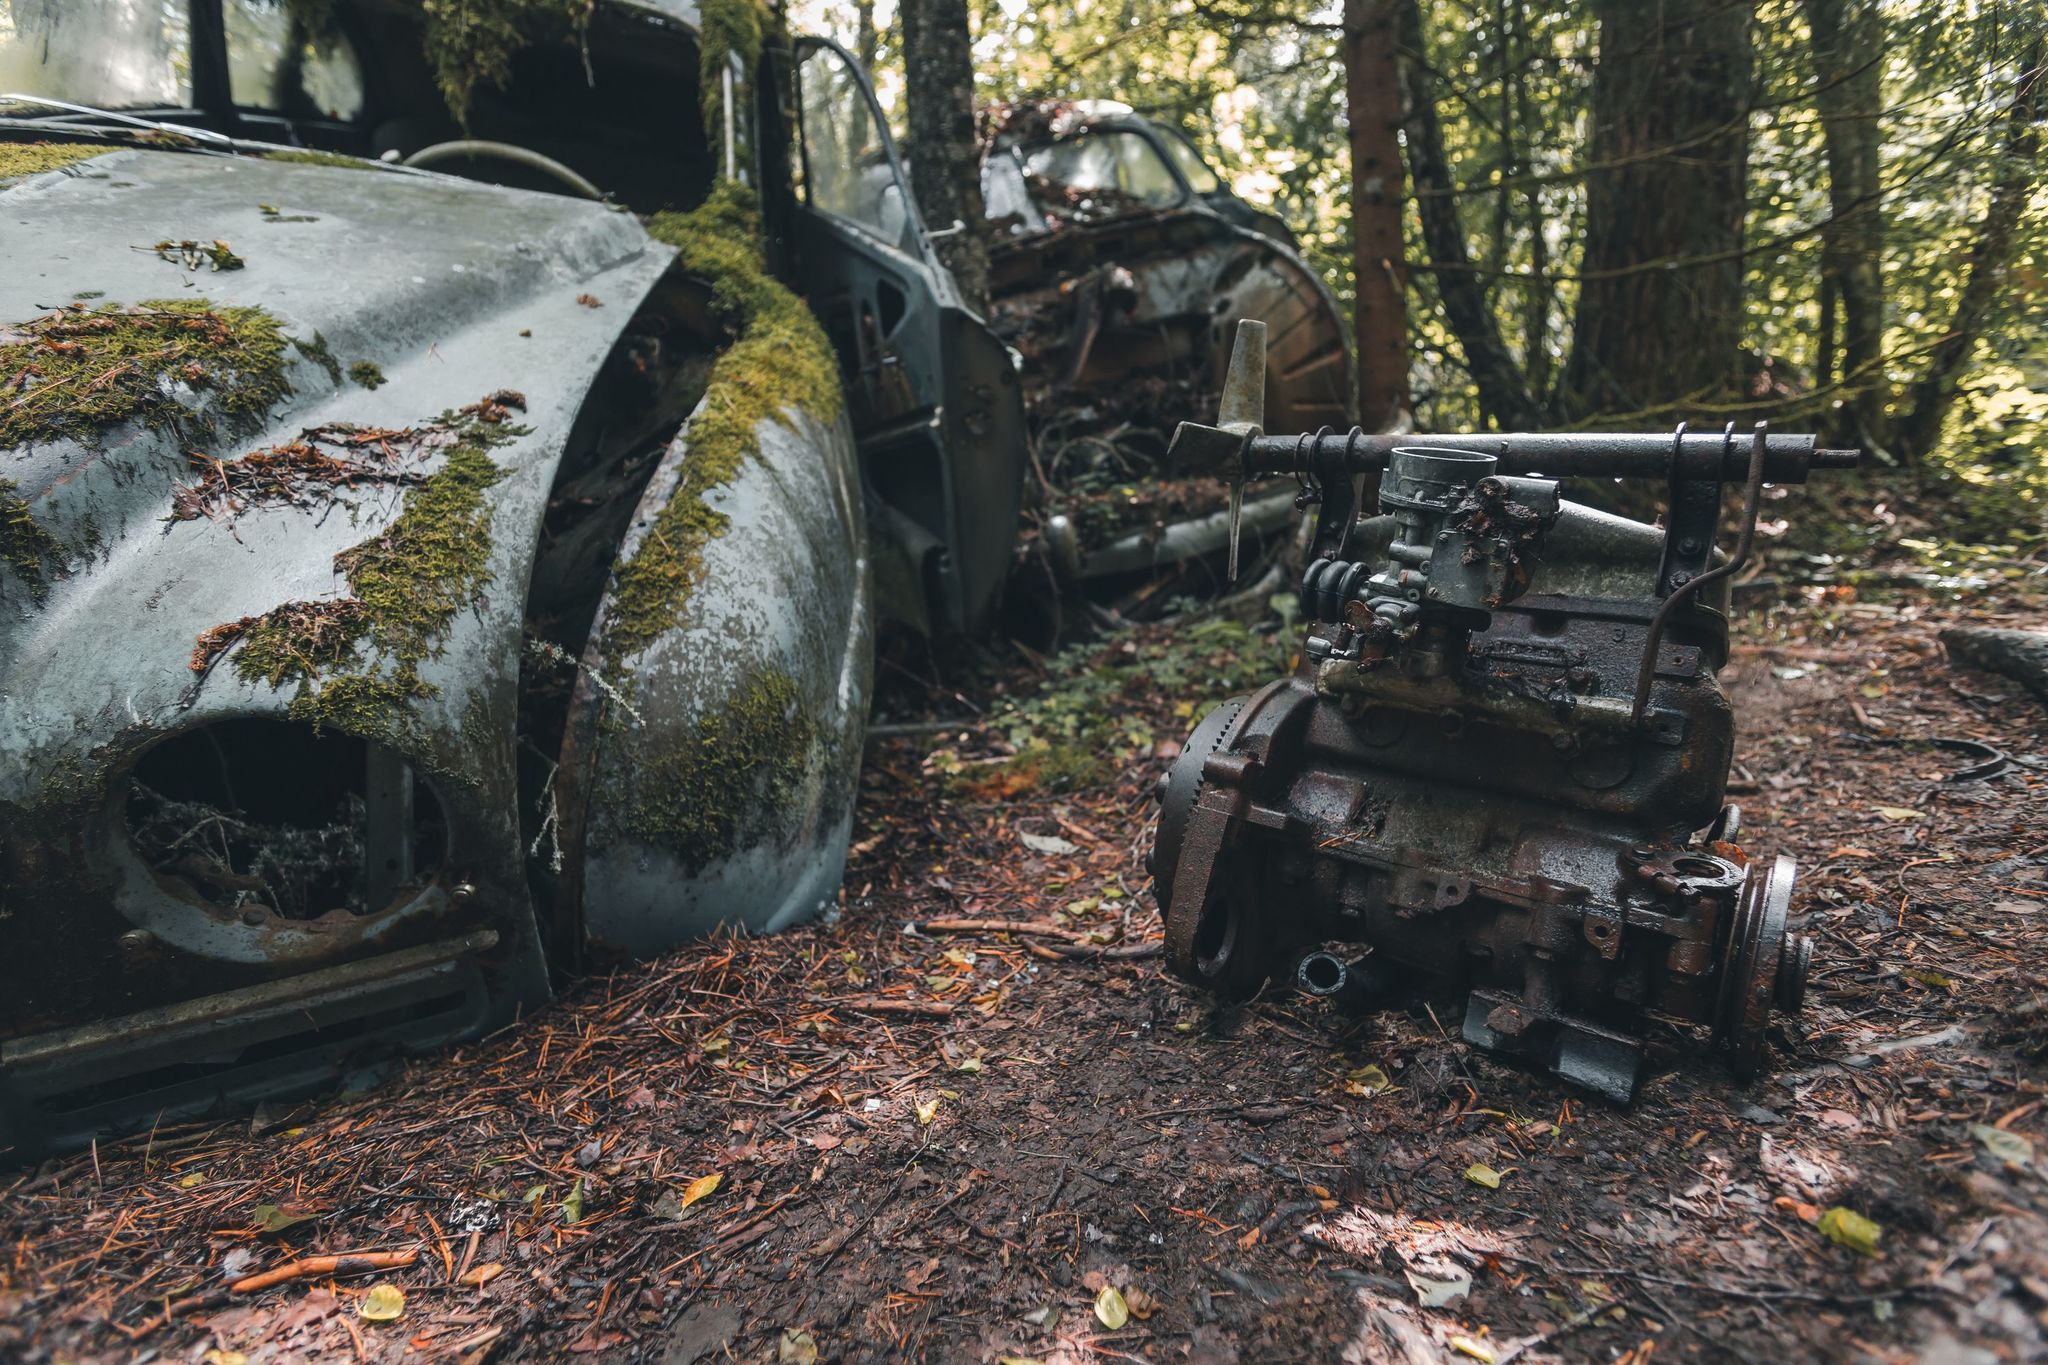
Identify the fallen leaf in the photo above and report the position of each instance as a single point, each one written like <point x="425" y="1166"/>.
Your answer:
<point x="970" y="1065"/>
<point x="1366" y="1080"/>
<point x="927" y="1110"/>
<point x="192" y="1181"/>
<point x="1479" y="1173"/>
<point x="1141" y="1304"/>
<point x="384" y="1303"/>
<point x="796" y="1348"/>
<point x="701" y="1188"/>
<point x="1110" y="1309"/>
<point x="477" y="1276"/>
<point x="1018" y="1360"/>
<point x="1049" y="843"/>
<point x="572" y="1203"/>
<point x="224" y="1358"/>
<point x="1846" y="1227"/>
<point x="1435" y="1293"/>
<point x="716" y="1047"/>
<point x="1900" y="813"/>
<point x="589" y="301"/>
<point x="1477" y="1350"/>
<point x="271" y="1218"/>
<point x="2012" y="1148"/>
<point x="1047" y="1317"/>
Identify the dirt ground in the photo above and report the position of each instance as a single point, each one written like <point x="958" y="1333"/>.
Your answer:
<point x="942" y="1145"/>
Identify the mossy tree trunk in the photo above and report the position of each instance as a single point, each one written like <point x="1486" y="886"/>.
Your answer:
<point x="945" y="163"/>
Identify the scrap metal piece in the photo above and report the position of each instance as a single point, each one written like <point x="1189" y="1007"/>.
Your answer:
<point x="1500" y="763"/>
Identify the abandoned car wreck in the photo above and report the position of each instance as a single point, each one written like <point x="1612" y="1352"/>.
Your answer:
<point x="1120" y="266"/>
<point x="454" y="577"/>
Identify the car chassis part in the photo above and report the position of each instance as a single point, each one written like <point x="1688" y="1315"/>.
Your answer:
<point x="1501" y="760"/>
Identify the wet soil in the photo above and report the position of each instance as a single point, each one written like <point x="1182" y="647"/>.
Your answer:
<point x="944" y="1145"/>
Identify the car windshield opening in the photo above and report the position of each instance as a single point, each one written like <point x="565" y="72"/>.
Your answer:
<point x="1099" y="173"/>
<point x="109" y="54"/>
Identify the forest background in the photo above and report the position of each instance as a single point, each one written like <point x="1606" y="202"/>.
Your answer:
<point x="1829" y="213"/>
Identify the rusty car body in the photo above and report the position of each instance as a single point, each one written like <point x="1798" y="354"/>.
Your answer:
<point x="446" y="577"/>
<point x="1120" y="266"/>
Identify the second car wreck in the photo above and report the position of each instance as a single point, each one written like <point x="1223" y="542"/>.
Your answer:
<point x="1119" y="268"/>
<point x="471" y="578"/>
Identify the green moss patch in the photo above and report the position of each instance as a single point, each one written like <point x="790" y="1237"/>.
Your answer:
<point x="22" y="159"/>
<point x="407" y="585"/>
<point x="473" y="42"/>
<point x="77" y="371"/>
<point x="26" y="547"/>
<point x="748" y="755"/>
<point x="778" y="360"/>
<point x="727" y="28"/>
<point x="306" y="156"/>
<point x="367" y="373"/>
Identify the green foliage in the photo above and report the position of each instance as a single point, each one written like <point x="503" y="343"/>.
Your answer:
<point x="1088" y="716"/>
<point x="472" y="42"/>
<point x="778" y="361"/>
<point x="368" y="373"/>
<point x="79" y="370"/>
<point x="747" y="755"/>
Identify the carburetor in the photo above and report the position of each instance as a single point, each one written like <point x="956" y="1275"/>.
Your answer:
<point x="1501" y="760"/>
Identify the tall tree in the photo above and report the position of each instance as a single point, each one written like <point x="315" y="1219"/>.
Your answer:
<point x="1504" y="397"/>
<point x="945" y="163"/>
<point x="1372" y="87"/>
<point x="1919" y="422"/>
<point x="1660" y="311"/>
<point x="1848" y="51"/>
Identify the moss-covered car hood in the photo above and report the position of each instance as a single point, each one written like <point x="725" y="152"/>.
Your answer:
<point x="464" y="320"/>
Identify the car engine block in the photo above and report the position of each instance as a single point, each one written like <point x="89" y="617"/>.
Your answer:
<point x="1501" y="761"/>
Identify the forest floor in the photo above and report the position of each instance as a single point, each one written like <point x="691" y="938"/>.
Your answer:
<point x="944" y="1146"/>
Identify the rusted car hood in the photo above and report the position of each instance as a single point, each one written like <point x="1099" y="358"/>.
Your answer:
<point x="453" y="289"/>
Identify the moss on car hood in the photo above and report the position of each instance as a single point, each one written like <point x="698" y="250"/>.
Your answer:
<point x="778" y="360"/>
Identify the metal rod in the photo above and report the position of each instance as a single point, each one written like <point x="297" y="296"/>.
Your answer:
<point x="1604" y="454"/>
<point x="1752" y="493"/>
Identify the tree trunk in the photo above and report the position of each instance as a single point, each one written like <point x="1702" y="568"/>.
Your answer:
<point x="945" y="164"/>
<point x="867" y="42"/>
<point x="1659" y="319"/>
<point x="1848" y="53"/>
<point x="1372" y="87"/>
<point x="1919" y="425"/>
<point x="1503" y="396"/>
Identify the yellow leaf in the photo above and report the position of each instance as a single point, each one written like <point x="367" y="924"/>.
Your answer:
<point x="1846" y="1227"/>
<point x="1479" y="1173"/>
<point x="717" y="1047"/>
<point x="970" y="1065"/>
<point x="1477" y="1350"/>
<point x="796" y="1348"/>
<point x="1110" y="1309"/>
<point x="192" y="1181"/>
<point x="224" y="1358"/>
<point x="701" y="1188"/>
<point x="384" y="1303"/>
<point x="1900" y="813"/>
<point x="927" y="1110"/>
<point x="478" y="1276"/>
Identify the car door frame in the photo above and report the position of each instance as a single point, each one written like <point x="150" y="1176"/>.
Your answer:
<point x="942" y="438"/>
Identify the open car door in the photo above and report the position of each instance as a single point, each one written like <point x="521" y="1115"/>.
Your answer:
<point x="935" y="400"/>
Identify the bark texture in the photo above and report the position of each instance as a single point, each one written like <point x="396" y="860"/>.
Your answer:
<point x="1504" y="396"/>
<point x="1848" y="52"/>
<point x="1372" y="86"/>
<point x="1659" y="320"/>
<point x="945" y="165"/>
<point x="2021" y="655"/>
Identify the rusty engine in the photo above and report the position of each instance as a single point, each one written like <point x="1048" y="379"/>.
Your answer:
<point x="1501" y="760"/>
